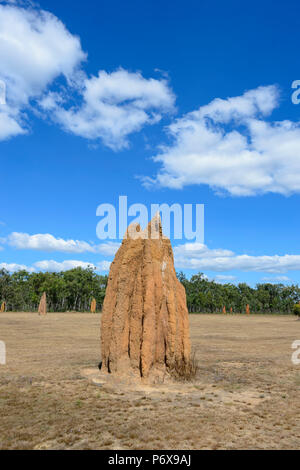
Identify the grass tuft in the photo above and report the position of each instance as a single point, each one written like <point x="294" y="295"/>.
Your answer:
<point x="183" y="371"/>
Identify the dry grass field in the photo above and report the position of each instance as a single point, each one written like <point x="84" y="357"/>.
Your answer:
<point x="246" y="394"/>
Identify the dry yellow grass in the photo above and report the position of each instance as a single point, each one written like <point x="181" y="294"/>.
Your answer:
<point x="245" y="396"/>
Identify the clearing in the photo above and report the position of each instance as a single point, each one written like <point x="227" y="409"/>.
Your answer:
<point x="246" y="395"/>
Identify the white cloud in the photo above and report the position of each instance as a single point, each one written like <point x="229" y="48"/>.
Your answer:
<point x="276" y="279"/>
<point x="230" y="146"/>
<point x="35" y="49"/>
<point x="223" y="277"/>
<point x="192" y="256"/>
<point x="10" y="123"/>
<point x="200" y="257"/>
<point x="47" y="242"/>
<point x="12" y="267"/>
<point x="114" y="105"/>
<point x="55" y="266"/>
<point x="198" y="250"/>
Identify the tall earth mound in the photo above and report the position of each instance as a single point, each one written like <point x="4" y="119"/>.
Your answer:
<point x="145" y="324"/>
<point x="43" y="305"/>
<point x="93" y="306"/>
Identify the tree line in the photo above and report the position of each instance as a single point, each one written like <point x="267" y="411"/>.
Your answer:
<point x="211" y="297"/>
<point x="67" y="291"/>
<point x="74" y="290"/>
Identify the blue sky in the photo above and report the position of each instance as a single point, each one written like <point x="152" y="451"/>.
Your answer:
<point x="95" y="90"/>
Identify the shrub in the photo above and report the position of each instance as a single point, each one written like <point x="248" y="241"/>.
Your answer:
<point x="296" y="310"/>
<point x="184" y="371"/>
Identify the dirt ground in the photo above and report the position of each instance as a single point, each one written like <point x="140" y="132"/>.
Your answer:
<point x="246" y="394"/>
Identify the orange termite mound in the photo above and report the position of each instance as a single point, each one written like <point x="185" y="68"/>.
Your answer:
<point x="43" y="305"/>
<point x="93" y="306"/>
<point x="248" y="309"/>
<point x="3" y="307"/>
<point x="145" y="323"/>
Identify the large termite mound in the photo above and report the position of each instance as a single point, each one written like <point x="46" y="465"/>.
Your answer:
<point x="43" y="305"/>
<point x="145" y="324"/>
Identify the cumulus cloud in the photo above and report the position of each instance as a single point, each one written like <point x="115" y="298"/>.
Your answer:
<point x="47" y="242"/>
<point x="199" y="250"/>
<point x="114" y="105"/>
<point x="225" y="278"/>
<point x="56" y="266"/>
<point x="192" y="256"/>
<point x="35" y="49"/>
<point x="276" y="279"/>
<point x="12" y="267"/>
<point x="232" y="147"/>
<point x="195" y="256"/>
<point x="200" y="257"/>
<point x="11" y="122"/>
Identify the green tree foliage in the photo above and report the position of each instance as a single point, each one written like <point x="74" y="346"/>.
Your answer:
<point x="210" y="297"/>
<point x="74" y="290"/>
<point x="66" y="291"/>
